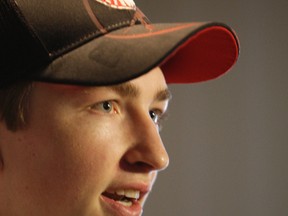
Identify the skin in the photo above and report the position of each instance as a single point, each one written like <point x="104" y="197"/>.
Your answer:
<point x="76" y="146"/>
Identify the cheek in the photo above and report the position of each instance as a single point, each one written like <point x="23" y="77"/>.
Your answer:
<point x="83" y="155"/>
<point x="69" y="164"/>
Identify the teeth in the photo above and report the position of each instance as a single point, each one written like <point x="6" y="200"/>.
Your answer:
<point x="133" y="194"/>
<point x="125" y="203"/>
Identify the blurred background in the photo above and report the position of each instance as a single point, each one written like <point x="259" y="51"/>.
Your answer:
<point x="228" y="138"/>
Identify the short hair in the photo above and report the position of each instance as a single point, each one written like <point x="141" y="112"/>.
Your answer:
<point x="14" y="104"/>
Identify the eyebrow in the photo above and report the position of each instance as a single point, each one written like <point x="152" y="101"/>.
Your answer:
<point x="130" y="90"/>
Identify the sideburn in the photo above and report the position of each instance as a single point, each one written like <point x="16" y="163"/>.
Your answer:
<point x="15" y="105"/>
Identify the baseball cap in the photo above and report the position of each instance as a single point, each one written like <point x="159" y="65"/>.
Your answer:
<point x="106" y="42"/>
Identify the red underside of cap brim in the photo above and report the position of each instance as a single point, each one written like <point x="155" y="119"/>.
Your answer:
<point x="206" y="55"/>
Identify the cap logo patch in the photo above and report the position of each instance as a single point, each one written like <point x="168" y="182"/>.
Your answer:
<point x="119" y="4"/>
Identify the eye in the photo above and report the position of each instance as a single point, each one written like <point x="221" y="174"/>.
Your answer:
<point x="104" y="106"/>
<point x="156" y="116"/>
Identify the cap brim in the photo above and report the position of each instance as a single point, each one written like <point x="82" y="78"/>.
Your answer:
<point x="187" y="53"/>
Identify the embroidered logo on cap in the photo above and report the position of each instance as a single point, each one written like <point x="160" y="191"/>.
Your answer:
<point x="119" y="4"/>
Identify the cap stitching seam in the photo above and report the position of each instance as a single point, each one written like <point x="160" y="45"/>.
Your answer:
<point x="85" y="38"/>
<point x="26" y="23"/>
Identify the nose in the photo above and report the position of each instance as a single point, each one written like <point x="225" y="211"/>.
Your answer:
<point x="147" y="152"/>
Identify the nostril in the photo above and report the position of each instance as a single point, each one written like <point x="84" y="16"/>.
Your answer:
<point x="142" y="165"/>
<point x="138" y="166"/>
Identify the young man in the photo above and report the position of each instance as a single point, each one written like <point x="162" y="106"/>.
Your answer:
<point x="83" y="91"/>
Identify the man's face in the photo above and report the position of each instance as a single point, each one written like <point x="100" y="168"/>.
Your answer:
<point x="87" y="151"/>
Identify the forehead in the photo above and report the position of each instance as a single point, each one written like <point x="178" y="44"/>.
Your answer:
<point x="152" y="83"/>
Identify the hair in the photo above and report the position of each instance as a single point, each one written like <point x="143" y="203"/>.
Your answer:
<point x="14" y="104"/>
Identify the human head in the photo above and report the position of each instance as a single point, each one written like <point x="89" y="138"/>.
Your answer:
<point x="81" y="145"/>
<point x="99" y="45"/>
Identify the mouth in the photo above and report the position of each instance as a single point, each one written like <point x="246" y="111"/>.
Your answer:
<point x="124" y="202"/>
<point x="124" y="197"/>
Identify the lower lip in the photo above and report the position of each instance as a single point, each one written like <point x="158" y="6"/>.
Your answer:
<point x="117" y="209"/>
